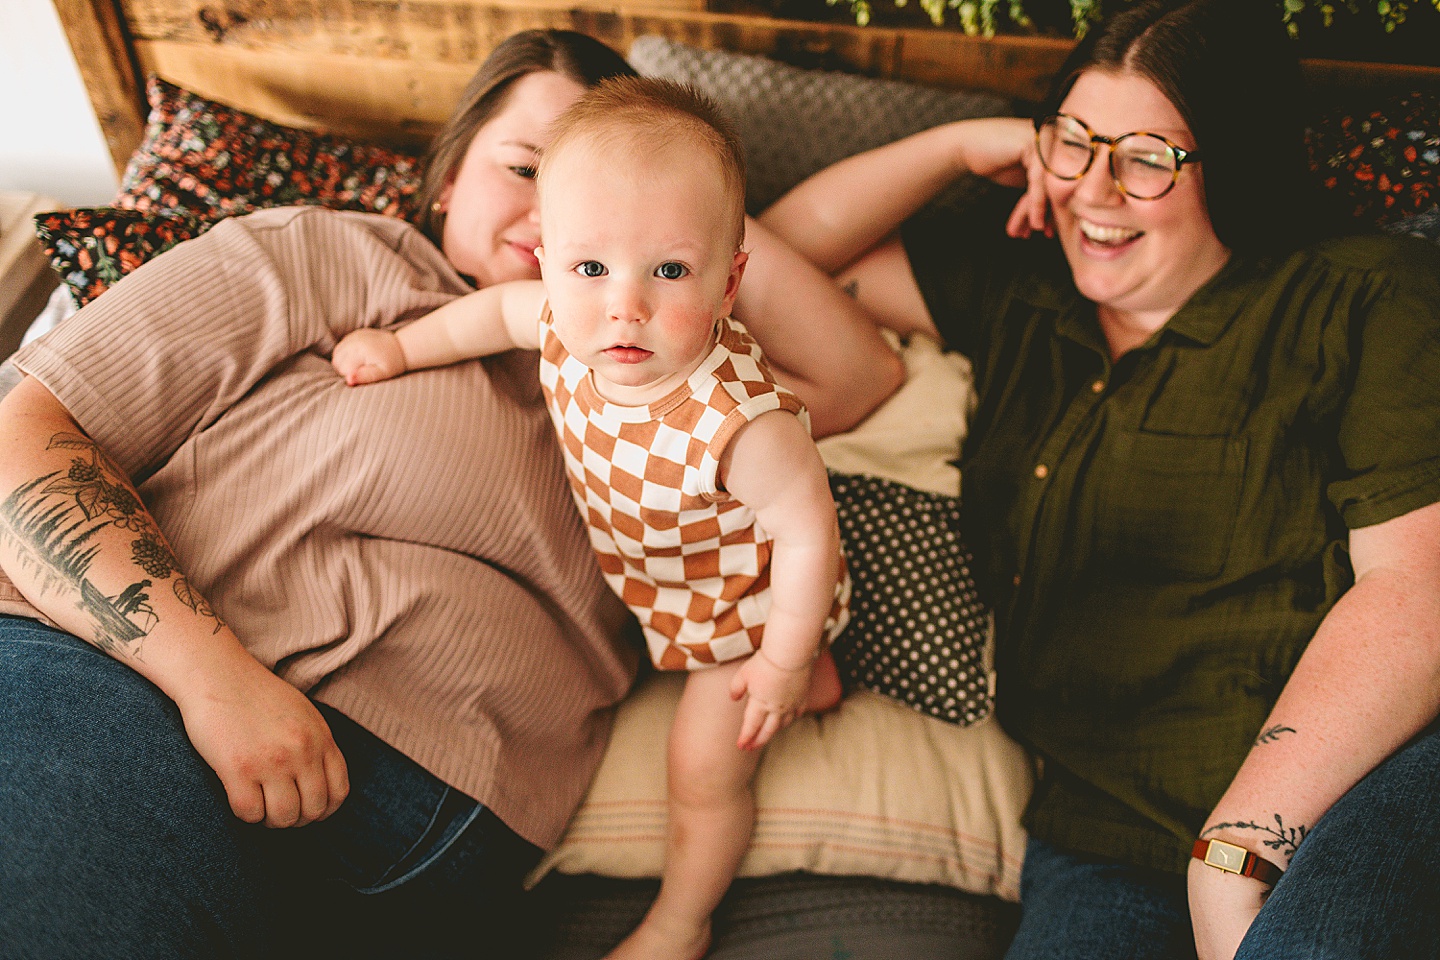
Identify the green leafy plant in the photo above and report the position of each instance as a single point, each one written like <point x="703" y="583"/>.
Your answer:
<point x="987" y="17"/>
<point x="1391" y="12"/>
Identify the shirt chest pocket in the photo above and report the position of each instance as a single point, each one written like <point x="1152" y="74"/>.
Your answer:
<point x="1168" y="504"/>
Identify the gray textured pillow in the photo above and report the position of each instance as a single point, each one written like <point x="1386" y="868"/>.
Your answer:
<point x="1426" y="225"/>
<point x="793" y="121"/>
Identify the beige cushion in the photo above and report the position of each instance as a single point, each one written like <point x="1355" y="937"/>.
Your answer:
<point x="872" y="788"/>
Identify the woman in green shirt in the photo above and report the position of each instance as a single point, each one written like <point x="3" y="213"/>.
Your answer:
<point x="1203" y="486"/>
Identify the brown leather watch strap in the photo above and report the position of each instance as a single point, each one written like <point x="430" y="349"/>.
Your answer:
<point x="1235" y="859"/>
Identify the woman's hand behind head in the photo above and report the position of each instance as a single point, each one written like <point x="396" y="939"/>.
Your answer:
<point x="1032" y="211"/>
<point x="1002" y="149"/>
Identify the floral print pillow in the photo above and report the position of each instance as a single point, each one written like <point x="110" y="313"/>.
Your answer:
<point x="202" y="161"/>
<point x="211" y="160"/>
<point x="1385" y="161"/>
<point x="93" y="248"/>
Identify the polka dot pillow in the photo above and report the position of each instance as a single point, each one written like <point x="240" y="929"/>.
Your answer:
<point x="918" y="629"/>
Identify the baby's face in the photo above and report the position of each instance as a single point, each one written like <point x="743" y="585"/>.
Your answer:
<point x="639" y="264"/>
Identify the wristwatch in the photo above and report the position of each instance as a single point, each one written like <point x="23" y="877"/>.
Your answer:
<point x="1233" y="859"/>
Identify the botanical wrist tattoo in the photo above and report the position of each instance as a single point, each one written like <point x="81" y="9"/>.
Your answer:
<point x="1282" y="838"/>
<point x="852" y="289"/>
<point x="53" y="522"/>
<point x="1271" y="734"/>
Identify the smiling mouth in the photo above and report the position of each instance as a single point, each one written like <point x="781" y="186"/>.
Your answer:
<point x="1108" y="236"/>
<point x="626" y="354"/>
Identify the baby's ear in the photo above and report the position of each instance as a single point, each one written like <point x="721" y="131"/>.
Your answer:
<point x="737" y="270"/>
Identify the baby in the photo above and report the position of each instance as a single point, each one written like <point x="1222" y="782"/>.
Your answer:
<point x="707" y="502"/>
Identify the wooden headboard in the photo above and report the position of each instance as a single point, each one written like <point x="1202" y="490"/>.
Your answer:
<point x="390" y="70"/>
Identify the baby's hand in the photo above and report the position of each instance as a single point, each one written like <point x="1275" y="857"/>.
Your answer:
<point x="775" y="696"/>
<point x="368" y="355"/>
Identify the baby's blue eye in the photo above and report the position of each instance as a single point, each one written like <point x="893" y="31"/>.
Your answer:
<point x="524" y="172"/>
<point x="591" y="268"/>
<point x="671" y="271"/>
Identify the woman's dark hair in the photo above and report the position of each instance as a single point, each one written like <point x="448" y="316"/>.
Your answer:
<point x="1233" y="75"/>
<point x="583" y="59"/>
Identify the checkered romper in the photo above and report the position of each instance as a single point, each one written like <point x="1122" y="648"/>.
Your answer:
<point x="689" y="560"/>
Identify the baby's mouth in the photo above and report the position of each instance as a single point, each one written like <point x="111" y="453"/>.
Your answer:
<point x="627" y="354"/>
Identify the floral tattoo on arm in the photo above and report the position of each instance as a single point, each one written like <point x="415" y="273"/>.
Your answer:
<point x="53" y="521"/>
<point x="1271" y="734"/>
<point x="1284" y="839"/>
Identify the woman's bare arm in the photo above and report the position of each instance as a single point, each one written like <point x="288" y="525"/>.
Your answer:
<point x="845" y="219"/>
<point x="1366" y="684"/>
<point x="819" y="342"/>
<point x="78" y="542"/>
<point x="842" y="212"/>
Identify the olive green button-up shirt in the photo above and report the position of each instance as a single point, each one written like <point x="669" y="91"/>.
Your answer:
<point x="1161" y="535"/>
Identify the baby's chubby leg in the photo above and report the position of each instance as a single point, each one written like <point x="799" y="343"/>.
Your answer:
<point x="825" y="689"/>
<point x="711" y="817"/>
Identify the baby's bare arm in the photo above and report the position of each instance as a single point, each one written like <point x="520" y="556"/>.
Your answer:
<point x="492" y="320"/>
<point x="772" y="466"/>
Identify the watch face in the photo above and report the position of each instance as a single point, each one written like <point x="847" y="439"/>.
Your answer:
<point x="1226" y="856"/>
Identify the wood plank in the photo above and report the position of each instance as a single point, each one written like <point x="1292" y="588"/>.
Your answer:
<point x="1338" y="75"/>
<point x="397" y="102"/>
<point x="463" y="31"/>
<point x="391" y="69"/>
<point x="1018" y="67"/>
<point x="108" y="70"/>
<point x="25" y="275"/>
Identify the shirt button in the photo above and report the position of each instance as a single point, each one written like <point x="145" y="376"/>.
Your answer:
<point x="1097" y="387"/>
<point x="1016" y="581"/>
<point x="1041" y="471"/>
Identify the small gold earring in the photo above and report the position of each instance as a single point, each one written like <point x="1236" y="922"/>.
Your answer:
<point x="436" y="207"/>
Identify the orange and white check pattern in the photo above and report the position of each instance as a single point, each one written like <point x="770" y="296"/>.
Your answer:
<point x="689" y="560"/>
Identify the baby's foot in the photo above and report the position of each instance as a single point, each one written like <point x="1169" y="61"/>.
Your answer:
<point x="825" y="691"/>
<point x="650" y="941"/>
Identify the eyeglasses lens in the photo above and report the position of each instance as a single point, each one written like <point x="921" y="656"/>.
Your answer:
<point x="1065" y="147"/>
<point x="1144" y="165"/>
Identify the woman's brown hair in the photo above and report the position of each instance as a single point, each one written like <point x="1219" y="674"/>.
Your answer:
<point x="1234" y="77"/>
<point x="583" y="59"/>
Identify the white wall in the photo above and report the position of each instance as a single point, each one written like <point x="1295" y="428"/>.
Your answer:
<point x="50" y="142"/>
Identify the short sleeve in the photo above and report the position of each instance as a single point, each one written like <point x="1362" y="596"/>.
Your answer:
<point x="1389" y="432"/>
<point x="167" y="350"/>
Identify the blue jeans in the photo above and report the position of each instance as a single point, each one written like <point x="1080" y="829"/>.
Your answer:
<point x="1078" y="908"/>
<point x="1364" y="885"/>
<point x="116" y="839"/>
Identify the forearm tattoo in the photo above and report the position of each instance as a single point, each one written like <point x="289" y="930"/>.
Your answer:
<point x="1271" y="734"/>
<point x="852" y="289"/>
<point x="1282" y="838"/>
<point x="53" y="521"/>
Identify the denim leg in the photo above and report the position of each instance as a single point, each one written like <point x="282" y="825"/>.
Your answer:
<point x="115" y="837"/>
<point x="1365" y="883"/>
<point x="1076" y="908"/>
<point x="413" y="867"/>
